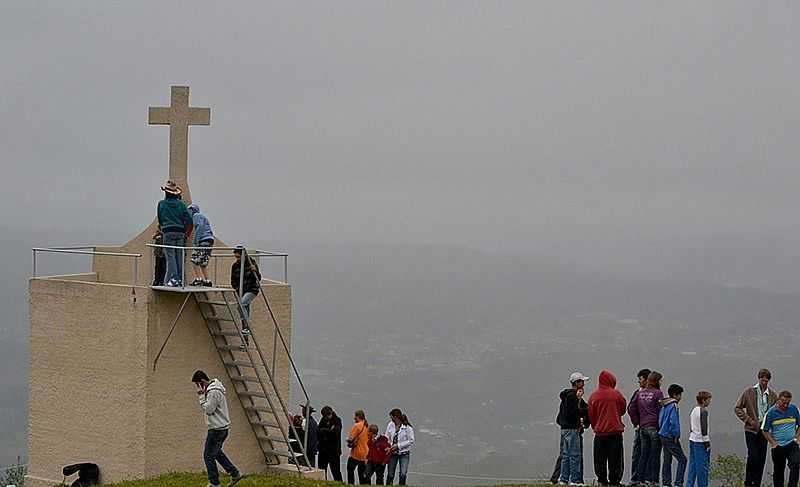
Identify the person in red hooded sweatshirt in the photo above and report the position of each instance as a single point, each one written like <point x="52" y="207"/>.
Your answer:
<point x="606" y="408"/>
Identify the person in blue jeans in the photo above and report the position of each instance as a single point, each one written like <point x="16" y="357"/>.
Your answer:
<point x="644" y="411"/>
<point x="211" y="395"/>
<point x="175" y="223"/>
<point x="781" y="428"/>
<point x="699" y="442"/>
<point x="669" y="431"/>
<point x="401" y="436"/>
<point x="573" y="418"/>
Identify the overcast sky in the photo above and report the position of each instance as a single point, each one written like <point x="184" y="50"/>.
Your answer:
<point x="480" y="123"/>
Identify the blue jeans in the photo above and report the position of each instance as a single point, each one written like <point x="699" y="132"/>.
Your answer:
<point x="699" y="461"/>
<point x="244" y="312"/>
<point x="403" y="460"/>
<point x="637" y="453"/>
<point x="672" y="448"/>
<point x="650" y="458"/>
<point x="571" y="456"/>
<point x="174" y="256"/>
<point x="213" y="453"/>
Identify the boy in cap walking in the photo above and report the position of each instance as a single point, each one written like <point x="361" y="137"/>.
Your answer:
<point x="573" y="418"/>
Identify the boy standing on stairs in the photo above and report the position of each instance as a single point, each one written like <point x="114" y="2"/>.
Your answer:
<point x="251" y="282"/>
<point x="211" y="394"/>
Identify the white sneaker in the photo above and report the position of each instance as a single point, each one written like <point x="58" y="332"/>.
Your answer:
<point x="576" y="484"/>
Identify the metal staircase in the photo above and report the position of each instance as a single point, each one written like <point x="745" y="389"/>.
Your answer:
<point x="253" y="377"/>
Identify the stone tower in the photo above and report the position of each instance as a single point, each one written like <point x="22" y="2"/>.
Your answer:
<point x="95" y="395"/>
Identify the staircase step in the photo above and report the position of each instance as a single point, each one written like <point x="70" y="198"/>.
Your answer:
<point x="218" y="318"/>
<point x="232" y="348"/>
<point x="214" y="302"/>
<point x="266" y="424"/>
<point x="276" y="439"/>
<point x="282" y="453"/>
<point x="263" y="409"/>
<point x="240" y="363"/>
<point x="254" y="394"/>
<point x="245" y="378"/>
<point x="225" y="333"/>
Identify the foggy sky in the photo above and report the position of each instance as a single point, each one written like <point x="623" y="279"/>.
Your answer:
<point x="484" y="123"/>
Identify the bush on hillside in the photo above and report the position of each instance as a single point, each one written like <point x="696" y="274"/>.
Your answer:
<point x="13" y="475"/>
<point x="728" y="470"/>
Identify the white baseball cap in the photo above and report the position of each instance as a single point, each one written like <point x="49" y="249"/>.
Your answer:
<point x="576" y="376"/>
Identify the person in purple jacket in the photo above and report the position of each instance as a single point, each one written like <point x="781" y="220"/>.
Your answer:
<point x="643" y="411"/>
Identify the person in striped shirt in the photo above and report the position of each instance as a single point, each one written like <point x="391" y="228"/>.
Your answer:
<point x="780" y="427"/>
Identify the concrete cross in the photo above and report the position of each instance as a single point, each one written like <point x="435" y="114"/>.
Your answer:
<point x="179" y="115"/>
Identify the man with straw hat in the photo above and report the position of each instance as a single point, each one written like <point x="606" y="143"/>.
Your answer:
<point x="175" y="223"/>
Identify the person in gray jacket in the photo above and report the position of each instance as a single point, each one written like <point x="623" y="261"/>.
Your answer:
<point x="211" y="394"/>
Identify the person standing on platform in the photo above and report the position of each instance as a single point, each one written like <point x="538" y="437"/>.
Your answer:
<point x="330" y="443"/>
<point x="751" y="408"/>
<point x="175" y="223"/>
<point x="606" y="408"/>
<point x="203" y="242"/>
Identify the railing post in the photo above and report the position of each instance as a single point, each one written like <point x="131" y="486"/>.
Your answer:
<point x="136" y="271"/>
<point x="286" y="269"/>
<point x="34" y="262"/>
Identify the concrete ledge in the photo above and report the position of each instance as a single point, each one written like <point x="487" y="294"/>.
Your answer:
<point x="288" y="470"/>
<point x="34" y="481"/>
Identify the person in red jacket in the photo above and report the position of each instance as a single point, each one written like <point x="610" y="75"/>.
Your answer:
<point x="606" y="408"/>
<point x="378" y="456"/>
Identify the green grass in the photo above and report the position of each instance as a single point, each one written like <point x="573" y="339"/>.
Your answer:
<point x="199" y="480"/>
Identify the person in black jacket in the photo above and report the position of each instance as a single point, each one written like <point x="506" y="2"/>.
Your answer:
<point x="573" y="417"/>
<point x="252" y="280"/>
<point x="329" y="433"/>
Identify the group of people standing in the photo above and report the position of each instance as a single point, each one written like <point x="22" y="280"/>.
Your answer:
<point x="769" y="418"/>
<point x="178" y="222"/>
<point x="372" y="454"/>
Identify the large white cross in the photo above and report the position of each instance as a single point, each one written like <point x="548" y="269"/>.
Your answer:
<point x="179" y="115"/>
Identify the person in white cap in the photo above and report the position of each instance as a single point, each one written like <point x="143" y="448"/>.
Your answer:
<point x="573" y="418"/>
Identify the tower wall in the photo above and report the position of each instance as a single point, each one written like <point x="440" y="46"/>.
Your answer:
<point x="95" y="397"/>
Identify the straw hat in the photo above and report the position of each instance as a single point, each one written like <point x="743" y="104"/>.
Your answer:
<point x="171" y="188"/>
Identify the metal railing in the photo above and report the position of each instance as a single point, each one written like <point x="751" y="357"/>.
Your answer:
<point x="258" y="254"/>
<point x="87" y="250"/>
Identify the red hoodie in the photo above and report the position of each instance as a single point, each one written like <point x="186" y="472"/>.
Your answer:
<point x="377" y="450"/>
<point x="606" y="407"/>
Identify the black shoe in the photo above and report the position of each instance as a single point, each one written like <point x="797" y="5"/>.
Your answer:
<point x="207" y="283"/>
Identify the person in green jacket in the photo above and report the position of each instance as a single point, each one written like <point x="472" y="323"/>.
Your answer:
<point x="175" y="223"/>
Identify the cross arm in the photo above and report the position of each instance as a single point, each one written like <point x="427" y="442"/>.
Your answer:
<point x="199" y="116"/>
<point x="158" y="116"/>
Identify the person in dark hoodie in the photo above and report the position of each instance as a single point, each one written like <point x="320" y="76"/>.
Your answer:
<point x="573" y="417"/>
<point x="252" y="280"/>
<point x="330" y="443"/>
<point x="669" y="431"/>
<point x="606" y="408"/>
<point x="175" y="223"/>
<point x="644" y="416"/>
<point x="637" y="439"/>
<point x="211" y="395"/>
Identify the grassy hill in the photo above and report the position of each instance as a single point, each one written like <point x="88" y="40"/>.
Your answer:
<point x="199" y="480"/>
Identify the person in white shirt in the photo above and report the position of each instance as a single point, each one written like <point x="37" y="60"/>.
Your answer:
<point x="699" y="442"/>
<point x="401" y="435"/>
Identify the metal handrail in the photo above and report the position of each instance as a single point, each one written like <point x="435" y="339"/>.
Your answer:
<point x="256" y="252"/>
<point x="80" y="250"/>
